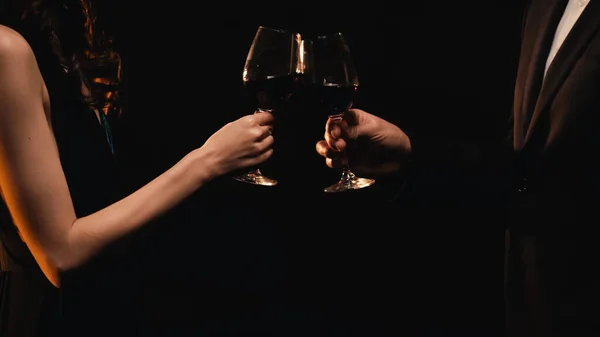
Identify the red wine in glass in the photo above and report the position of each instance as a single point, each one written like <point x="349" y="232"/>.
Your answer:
<point x="335" y="81"/>
<point x="271" y="93"/>
<point x="271" y="75"/>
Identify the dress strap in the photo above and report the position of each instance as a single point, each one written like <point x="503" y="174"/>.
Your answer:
<point x="107" y="132"/>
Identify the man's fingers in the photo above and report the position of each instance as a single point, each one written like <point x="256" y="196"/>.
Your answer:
<point x="325" y="150"/>
<point x="336" y="162"/>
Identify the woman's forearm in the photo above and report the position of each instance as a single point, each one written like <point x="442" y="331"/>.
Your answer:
<point x="91" y="233"/>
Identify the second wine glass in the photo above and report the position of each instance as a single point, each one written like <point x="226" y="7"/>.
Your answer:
<point x="335" y="79"/>
<point x="271" y="74"/>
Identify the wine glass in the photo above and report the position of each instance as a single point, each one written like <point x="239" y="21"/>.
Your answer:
<point x="271" y="74"/>
<point x="334" y="77"/>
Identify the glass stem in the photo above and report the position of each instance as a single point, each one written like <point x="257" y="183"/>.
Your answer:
<point x="347" y="175"/>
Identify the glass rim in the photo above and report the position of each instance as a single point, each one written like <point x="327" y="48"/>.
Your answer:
<point x="321" y="37"/>
<point x="277" y="30"/>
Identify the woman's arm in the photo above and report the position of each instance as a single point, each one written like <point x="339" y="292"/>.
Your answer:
<point x="35" y="188"/>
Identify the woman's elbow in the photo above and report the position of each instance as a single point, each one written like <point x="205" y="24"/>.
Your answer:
<point x="52" y="274"/>
<point x="54" y="280"/>
<point x="54" y="270"/>
<point x="56" y="267"/>
<point x="53" y="265"/>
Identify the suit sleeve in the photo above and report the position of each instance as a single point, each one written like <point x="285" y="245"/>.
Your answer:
<point x="451" y="173"/>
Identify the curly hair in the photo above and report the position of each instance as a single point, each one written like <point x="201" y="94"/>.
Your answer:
<point x="67" y="31"/>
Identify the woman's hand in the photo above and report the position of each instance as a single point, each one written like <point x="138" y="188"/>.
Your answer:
<point x="239" y="144"/>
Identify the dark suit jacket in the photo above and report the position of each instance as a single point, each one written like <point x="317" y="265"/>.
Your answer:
<point x="552" y="279"/>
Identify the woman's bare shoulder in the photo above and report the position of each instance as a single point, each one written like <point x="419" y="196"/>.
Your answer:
<point x="13" y="47"/>
<point x="19" y="73"/>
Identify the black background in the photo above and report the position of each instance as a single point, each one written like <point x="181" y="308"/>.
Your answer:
<point x="432" y="261"/>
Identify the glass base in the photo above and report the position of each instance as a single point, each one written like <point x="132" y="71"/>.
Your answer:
<point x="256" y="178"/>
<point x="349" y="181"/>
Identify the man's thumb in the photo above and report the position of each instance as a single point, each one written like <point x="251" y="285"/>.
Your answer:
<point x="352" y="119"/>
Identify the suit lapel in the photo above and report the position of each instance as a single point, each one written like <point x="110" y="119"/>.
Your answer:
<point x="568" y="54"/>
<point x="537" y="41"/>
